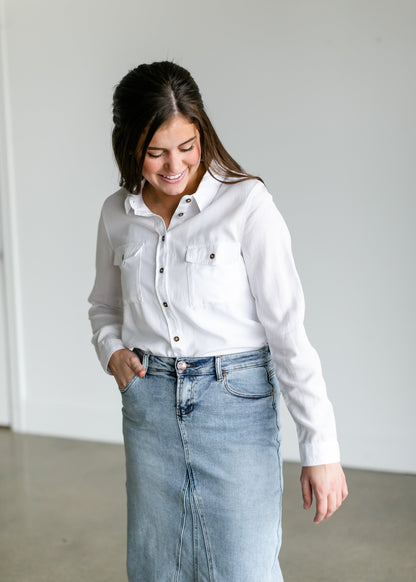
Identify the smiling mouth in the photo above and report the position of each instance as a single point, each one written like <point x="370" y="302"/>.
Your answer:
<point x="173" y="178"/>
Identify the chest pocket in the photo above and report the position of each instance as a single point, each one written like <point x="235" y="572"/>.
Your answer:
<point x="128" y="258"/>
<point x="211" y="271"/>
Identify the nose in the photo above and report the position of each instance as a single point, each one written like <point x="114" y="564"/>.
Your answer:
<point x="173" y="163"/>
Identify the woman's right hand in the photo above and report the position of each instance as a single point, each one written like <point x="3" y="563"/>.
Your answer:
<point x="124" y="365"/>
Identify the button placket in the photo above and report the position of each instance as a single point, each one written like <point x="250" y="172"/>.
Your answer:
<point x="180" y="213"/>
<point x="160" y="283"/>
<point x="162" y="289"/>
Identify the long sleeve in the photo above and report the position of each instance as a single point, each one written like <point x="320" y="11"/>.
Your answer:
<point x="277" y="290"/>
<point x="106" y="311"/>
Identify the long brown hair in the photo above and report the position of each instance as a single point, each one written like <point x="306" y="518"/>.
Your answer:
<point x="149" y="96"/>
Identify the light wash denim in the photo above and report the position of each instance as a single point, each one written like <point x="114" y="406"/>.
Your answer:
<point x="204" y="479"/>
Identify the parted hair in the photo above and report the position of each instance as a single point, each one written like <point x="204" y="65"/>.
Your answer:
<point x="146" y="98"/>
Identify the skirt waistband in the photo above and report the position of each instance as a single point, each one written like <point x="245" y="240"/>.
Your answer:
<point x="215" y="365"/>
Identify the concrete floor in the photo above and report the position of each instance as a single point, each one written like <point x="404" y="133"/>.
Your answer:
<point x="62" y="518"/>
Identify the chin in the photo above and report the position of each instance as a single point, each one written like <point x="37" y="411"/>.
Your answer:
<point x="174" y="189"/>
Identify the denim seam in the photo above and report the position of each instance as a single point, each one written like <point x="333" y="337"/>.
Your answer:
<point x="203" y="526"/>
<point x="195" y="536"/>
<point x="279" y="459"/>
<point x="185" y="492"/>
<point x="193" y="491"/>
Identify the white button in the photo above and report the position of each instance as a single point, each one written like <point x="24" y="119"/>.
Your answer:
<point x="182" y="365"/>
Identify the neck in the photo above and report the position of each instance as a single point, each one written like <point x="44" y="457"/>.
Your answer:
<point x="157" y="200"/>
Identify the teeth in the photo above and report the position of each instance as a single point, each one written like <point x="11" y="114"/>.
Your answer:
<point x="173" y="177"/>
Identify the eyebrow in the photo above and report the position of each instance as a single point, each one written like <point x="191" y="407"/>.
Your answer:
<point x="179" y="146"/>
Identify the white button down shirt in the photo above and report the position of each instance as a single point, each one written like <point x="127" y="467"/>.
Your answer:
<point x="221" y="279"/>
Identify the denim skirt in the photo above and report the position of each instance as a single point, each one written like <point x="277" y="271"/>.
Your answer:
<point x="204" y="479"/>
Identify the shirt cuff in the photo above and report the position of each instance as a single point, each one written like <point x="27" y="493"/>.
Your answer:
<point x="105" y="352"/>
<point x="319" y="453"/>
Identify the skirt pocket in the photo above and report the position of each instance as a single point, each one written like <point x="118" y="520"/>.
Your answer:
<point x="251" y="383"/>
<point x="129" y="385"/>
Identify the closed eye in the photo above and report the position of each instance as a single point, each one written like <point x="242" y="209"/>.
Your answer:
<point x="183" y="150"/>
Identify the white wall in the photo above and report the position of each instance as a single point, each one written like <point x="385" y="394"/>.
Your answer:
<point x="317" y="97"/>
<point x="4" y="380"/>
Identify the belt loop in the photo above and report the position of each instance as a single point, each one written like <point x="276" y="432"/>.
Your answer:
<point x="144" y="357"/>
<point x="145" y="361"/>
<point x="218" y="369"/>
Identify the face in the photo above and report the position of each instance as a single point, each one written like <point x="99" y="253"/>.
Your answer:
<point x="172" y="161"/>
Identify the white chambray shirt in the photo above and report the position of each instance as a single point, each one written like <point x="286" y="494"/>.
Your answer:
<point x="221" y="279"/>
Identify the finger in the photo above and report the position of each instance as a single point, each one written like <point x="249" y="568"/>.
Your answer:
<point x="321" y="508"/>
<point x="137" y="367"/>
<point x="139" y="370"/>
<point x="306" y="493"/>
<point x="341" y="491"/>
<point x="339" y="497"/>
<point x="333" y="502"/>
<point x="344" y="490"/>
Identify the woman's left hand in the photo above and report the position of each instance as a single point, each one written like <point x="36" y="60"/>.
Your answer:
<point x="328" y="484"/>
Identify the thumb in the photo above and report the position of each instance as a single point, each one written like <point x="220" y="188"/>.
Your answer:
<point x="137" y="366"/>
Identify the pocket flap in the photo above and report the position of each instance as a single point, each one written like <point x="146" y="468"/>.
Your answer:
<point x="125" y="252"/>
<point x="213" y="254"/>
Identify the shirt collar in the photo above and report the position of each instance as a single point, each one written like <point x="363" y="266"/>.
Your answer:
<point x="205" y="194"/>
<point x="206" y="191"/>
<point x="134" y="203"/>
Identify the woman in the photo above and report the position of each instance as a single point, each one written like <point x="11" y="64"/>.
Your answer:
<point x="197" y="311"/>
